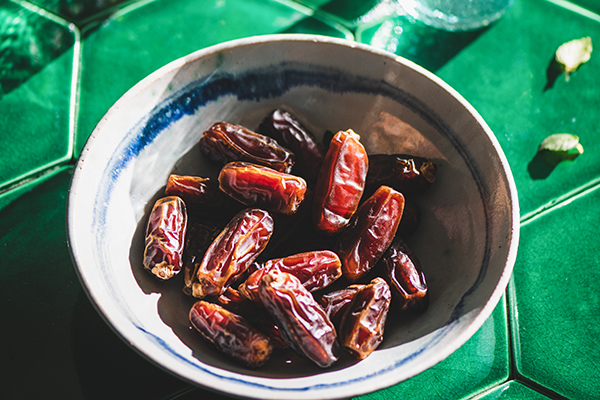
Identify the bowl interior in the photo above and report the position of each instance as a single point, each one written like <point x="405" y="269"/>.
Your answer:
<point x="466" y="240"/>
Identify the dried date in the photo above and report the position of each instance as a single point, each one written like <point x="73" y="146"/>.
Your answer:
<point x="303" y="323"/>
<point x="258" y="186"/>
<point x="315" y="269"/>
<point x="287" y="130"/>
<point x="370" y="232"/>
<point x="165" y="237"/>
<point x="224" y="142"/>
<point x="341" y="182"/>
<point x="230" y="333"/>
<point x="232" y="252"/>
<point x="258" y="317"/>
<point x="337" y="302"/>
<point x="362" y="326"/>
<point x="405" y="275"/>
<point x="407" y="174"/>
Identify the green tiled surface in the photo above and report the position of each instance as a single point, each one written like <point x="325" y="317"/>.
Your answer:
<point x="556" y="300"/>
<point x="156" y="33"/>
<point x="512" y="390"/>
<point x="63" y="63"/>
<point x="36" y="69"/>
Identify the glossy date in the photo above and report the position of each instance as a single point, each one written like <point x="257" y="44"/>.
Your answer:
<point x="232" y="252"/>
<point x="224" y="142"/>
<point x="370" y="232"/>
<point x="287" y="130"/>
<point x="303" y="323"/>
<point x="230" y="333"/>
<point x="341" y="182"/>
<point x="405" y="173"/>
<point x="405" y="276"/>
<point x="315" y="269"/>
<point x="165" y="237"/>
<point x="258" y="186"/>
<point x="363" y="323"/>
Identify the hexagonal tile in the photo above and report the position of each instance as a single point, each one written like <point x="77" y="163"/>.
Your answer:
<point x="138" y="41"/>
<point x="36" y="72"/>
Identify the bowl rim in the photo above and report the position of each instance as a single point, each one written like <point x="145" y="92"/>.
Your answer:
<point x="457" y="342"/>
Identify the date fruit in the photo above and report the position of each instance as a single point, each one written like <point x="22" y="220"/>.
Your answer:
<point x="303" y="323"/>
<point x="405" y="276"/>
<point x="224" y="142"/>
<point x="232" y="252"/>
<point x="363" y="323"/>
<point x="315" y="269"/>
<point x="230" y="333"/>
<point x="165" y="237"/>
<point x="287" y="130"/>
<point x="370" y="232"/>
<point x="337" y="302"/>
<point x="258" y="186"/>
<point x="341" y="182"/>
<point x="407" y="174"/>
<point x="194" y="190"/>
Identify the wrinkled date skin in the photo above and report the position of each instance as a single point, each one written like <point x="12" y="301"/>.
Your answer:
<point x="363" y="323"/>
<point x="232" y="252"/>
<point x="165" y="237"/>
<point x="405" y="173"/>
<point x="287" y="130"/>
<point x="303" y="323"/>
<point x="315" y="269"/>
<point x="370" y="232"/>
<point x="341" y="182"/>
<point x="224" y="142"/>
<point x="337" y="302"/>
<point x="198" y="238"/>
<point x="258" y="317"/>
<point x="194" y="190"/>
<point x="255" y="185"/>
<point x="405" y="276"/>
<point x="230" y="333"/>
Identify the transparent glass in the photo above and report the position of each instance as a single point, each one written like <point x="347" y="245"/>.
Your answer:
<point x="456" y="15"/>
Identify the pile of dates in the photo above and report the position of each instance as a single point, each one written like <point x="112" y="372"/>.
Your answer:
<point x="297" y="244"/>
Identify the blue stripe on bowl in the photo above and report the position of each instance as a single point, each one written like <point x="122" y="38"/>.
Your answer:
<point x="272" y="82"/>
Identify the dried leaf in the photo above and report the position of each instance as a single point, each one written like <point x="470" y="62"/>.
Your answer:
<point x="572" y="54"/>
<point x="560" y="146"/>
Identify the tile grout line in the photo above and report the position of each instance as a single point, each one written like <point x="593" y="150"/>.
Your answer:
<point x="576" y="9"/>
<point x="560" y="202"/>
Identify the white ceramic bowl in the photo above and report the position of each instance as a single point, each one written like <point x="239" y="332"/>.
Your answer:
<point x="467" y="240"/>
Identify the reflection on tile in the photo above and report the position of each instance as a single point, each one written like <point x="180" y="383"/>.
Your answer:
<point x="36" y="60"/>
<point x="131" y="45"/>
<point x="508" y="84"/>
<point x="353" y="13"/>
<point x="64" y="347"/>
<point x="513" y="391"/>
<point x="79" y="11"/>
<point x="555" y="301"/>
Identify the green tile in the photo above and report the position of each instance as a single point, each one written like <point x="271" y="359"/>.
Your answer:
<point x="36" y="68"/>
<point x="353" y="12"/>
<point x="79" y="11"/>
<point x="54" y="342"/>
<point x="481" y="363"/>
<point x="507" y="83"/>
<point x="555" y="301"/>
<point x="512" y="390"/>
<point x="588" y="5"/>
<point x="131" y="45"/>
